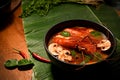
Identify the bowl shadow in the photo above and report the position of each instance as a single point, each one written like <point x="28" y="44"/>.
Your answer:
<point x="99" y="72"/>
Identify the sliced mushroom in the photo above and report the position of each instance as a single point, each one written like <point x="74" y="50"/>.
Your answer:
<point x="104" y="44"/>
<point x="65" y="56"/>
<point x="55" y="49"/>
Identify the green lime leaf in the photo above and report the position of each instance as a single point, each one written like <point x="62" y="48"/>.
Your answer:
<point x="95" y="33"/>
<point x="73" y="53"/>
<point x="11" y="63"/>
<point x="65" y="34"/>
<point x="87" y="58"/>
<point x="97" y="56"/>
<point x="24" y="62"/>
<point x="82" y="63"/>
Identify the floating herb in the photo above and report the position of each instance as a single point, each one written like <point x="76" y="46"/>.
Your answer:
<point x="97" y="56"/>
<point x="95" y="33"/>
<point x="82" y="63"/>
<point x="87" y="58"/>
<point x="65" y="34"/>
<point x="73" y="53"/>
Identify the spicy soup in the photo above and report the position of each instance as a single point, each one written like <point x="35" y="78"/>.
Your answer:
<point x="79" y="45"/>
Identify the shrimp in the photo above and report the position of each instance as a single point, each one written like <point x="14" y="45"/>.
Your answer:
<point x="80" y="32"/>
<point x="66" y="42"/>
<point x="88" y="48"/>
<point x="76" y="35"/>
<point x="87" y="45"/>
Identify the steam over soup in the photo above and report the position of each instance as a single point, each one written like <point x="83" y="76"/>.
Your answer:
<point x="79" y="45"/>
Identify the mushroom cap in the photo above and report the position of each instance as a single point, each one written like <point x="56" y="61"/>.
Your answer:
<point x="104" y="44"/>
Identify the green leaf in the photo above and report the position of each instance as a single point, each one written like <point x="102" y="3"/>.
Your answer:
<point x="36" y="26"/>
<point x="95" y="33"/>
<point x="65" y="34"/>
<point x="87" y="58"/>
<point x="73" y="53"/>
<point x="11" y="63"/>
<point x="24" y="62"/>
<point x="83" y="63"/>
<point x="42" y="7"/>
<point x="97" y="56"/>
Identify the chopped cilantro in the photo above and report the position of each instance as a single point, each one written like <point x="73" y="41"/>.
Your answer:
<point x="95" y="33"/>
<point x="73" y="53"/>
<point x="86" y="60"/>
<point x="65" y="34"/>
<point x="97" y="55"/>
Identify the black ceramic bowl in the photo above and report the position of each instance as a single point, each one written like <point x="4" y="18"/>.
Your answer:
<point x="72" y="23"/>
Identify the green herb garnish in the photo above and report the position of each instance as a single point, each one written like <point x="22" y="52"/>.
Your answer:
<point x="97" y="56"/>
<point x="42" y="7"/>
<point x="82" y="63"/>
<point x="87" y="58"/>
<point x="73" y="53"/>
<point x="96" y="33"/>
<point x="65" y="34"/>
<point x="11" y="63"/>
<point x="24" y="62"/>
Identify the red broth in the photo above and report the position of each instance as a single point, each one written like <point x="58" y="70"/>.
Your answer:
<point x="79" y="45"/>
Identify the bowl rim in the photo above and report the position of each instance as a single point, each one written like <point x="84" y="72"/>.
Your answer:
<point x="103" y="26"/>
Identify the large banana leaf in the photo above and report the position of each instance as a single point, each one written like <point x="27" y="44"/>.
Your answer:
<point x="36" y="26"/>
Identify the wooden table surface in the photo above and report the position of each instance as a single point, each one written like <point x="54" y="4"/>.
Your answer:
<point x="12" y="36"/>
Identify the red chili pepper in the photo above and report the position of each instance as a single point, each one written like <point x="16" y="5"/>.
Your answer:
<point x="36" y="56"/>
<point x="21" y="53"/>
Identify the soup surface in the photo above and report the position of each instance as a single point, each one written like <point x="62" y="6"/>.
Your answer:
<point x="79" y="45"/>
